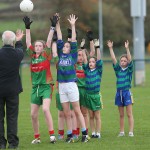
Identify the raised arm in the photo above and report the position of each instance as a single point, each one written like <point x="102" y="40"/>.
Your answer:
<point x="54" y="20"/>
<point x="72" y="20"/>
<point x="69" y="34"/>
<point x="54" y="49"/>
<point x="128" y="51"/>
<point x="89" y="35"/>
<point x="97" y="46"/>
<point x="84" y="56"/>
<point x="113" y="57"/>
<point x="59" y="33"/>
<point x="82" y="45"/>
<point x="27" y="23"/>
<point x="19" y="35"/>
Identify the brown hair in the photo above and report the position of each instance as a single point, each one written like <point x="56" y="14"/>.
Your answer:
<point x="92" y="57"/>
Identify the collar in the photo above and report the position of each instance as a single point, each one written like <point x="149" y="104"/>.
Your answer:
<point x="7" y="46"/>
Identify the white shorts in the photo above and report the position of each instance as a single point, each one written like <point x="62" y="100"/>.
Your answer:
<point x="68" y="92"/>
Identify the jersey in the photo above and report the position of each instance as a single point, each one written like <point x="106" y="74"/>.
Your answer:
<point x="124" y="76"/>
<point x="66" y="63"/>
<point x="93" y="77"/>
<point x="40" y="66"/>
<point x="80" y="75"/>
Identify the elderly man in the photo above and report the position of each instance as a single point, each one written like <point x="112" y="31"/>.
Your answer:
<point x="11" y="55"/>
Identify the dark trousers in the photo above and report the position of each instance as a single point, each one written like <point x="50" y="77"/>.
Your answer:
<point x="12" y="106"/>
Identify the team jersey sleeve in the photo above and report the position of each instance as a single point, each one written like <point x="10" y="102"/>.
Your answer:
<point x="30" y="50"/>
<point x="73" y="51"/>
<point x="116" y="67"/>
<point x="85" y="67"/>
<point x="47" y="53"/>
<point x="130" y="66"/>
<point x="60" y="45"/>
<point x="56" y="59"/>
<point x="99" y="66"/>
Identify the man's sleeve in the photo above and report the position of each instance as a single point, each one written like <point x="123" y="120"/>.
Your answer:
<point x="19" y="48"/>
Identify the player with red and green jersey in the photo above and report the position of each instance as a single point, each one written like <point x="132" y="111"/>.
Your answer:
<point x="41" y="78"/>
<point x="40" y="66"/>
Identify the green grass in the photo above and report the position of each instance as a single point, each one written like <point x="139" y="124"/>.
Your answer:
<point x="109" y="117"/>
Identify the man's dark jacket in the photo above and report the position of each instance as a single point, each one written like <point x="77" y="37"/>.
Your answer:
<point x="10" y="59"/>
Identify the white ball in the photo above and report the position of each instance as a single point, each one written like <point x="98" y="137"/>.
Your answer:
<point x="26" y="6"/>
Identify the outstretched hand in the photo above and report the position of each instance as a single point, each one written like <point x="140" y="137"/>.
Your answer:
<point x="19" y="35"/>
<point x="96" y="43"/>
<point x="72" y="19"/>
<point x="89" y="35"/>
<point x="126" y="44"/>
<point x="82" y="44"/>
<point x="54" y="20"/>
<point x="110" y="44"/>
<point x="27" y="22"/>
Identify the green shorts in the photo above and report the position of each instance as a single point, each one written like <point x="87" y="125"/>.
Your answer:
<point x="40" y="92"/>
<point x="82" y="93"/>
<point x="58" y="103"/>
<point x="93" y="101"/>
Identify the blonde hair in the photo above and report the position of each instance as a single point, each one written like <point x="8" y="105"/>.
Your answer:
<point x="8" y="37"/>
<point x="86" y="52"/>
<point x="124" y="55"/>
<point x="41" y="41"/>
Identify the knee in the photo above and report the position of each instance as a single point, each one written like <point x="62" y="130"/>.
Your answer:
<point x="67" y="114"/>
<point x="85" y="114"/>
<point x="121" y="115"/>
<point x="129" y="115"/>
<point x="34" y="115"/>
<point x="61" y="115"/>
<point x="91" y="117"/>
<point x="45" y="109"/>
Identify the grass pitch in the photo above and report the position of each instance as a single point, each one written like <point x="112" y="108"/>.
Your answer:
<point x="109" y="117"/>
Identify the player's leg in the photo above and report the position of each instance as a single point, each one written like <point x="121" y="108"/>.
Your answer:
<point x="45" y="92"/>
<point x="74" y="124"/>
<point x="130" y="119"/>
<point x="121" y="114"/>
<point x="84" y="110"/>
<point x="61" y="122"/>
<point x="97" y="117"/>
<point x="61" y="117"/>
<point x="67" y="113"/>
<point x="128" y="100"/>
<point x="63" y="90"/>
<point x="35" y="122"/>
<point x="92" y="124"/>
<point x="48" y="118"/>
<point x="80" y="117"/>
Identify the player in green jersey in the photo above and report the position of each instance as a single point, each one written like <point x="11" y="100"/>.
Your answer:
<point x="93" y="71"/>
<point x="123" y="70"/>
<point x="81" y="76"/>
<point x="66" y="77"/>
<point x="41" y="79"/>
